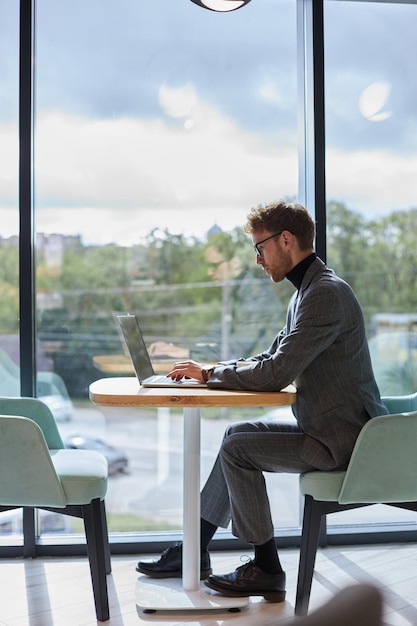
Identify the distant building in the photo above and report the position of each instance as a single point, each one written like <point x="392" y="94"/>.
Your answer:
<point x="52" y="247"/>
<point x="214" y="230"/>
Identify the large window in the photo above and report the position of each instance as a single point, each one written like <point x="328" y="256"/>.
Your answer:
<point x="9" y="220"/>
<point x="371" y="160"/>
<point x="158" y="126"/>
<point x="9" y="202"/>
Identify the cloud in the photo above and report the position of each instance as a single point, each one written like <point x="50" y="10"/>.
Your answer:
<point x="115" y="180"/>
<point x="133" y="163"/>
<point x="374" y="182"/>
<point x="178" y="102"/>
<point x="148" y="172"/>
<point x="9" y="163"/>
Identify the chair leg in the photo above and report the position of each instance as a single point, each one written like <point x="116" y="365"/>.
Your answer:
<point x="105" y="536"/>
<point x="98" y="556"/>
<point x="29" y="539"/>
<point x="313" y="511"/>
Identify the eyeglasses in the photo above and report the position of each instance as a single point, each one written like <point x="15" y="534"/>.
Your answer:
<point x="256" y="245"/>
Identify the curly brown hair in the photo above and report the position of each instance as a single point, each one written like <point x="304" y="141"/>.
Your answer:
<point x="278" y="216"/>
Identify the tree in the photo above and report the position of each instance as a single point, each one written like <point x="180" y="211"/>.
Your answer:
<point x="378" y="258"/>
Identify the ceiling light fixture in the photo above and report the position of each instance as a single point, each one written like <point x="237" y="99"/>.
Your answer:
<point x="221" y="5"/>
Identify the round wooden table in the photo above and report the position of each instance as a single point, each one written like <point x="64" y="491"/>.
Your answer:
<point x="169" y="594"/>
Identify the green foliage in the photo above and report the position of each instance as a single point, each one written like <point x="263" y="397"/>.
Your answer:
<point x="9" y="288"/>
<point x="190" y="291"/>
<point x="126" y="523"/>
<point x="378" y="258"/>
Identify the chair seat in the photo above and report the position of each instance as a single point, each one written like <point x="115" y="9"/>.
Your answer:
<point x="83" y="474"/>
<point x="324" y="486"/>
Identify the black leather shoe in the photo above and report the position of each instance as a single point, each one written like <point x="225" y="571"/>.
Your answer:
<point x="249" y="580"/>
<point x="169" y="564"/>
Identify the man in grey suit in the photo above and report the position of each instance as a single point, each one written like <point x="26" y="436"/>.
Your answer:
<point x="322" y="350"/>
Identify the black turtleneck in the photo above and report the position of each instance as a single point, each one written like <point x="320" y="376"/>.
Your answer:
<point x="296" y="275"/>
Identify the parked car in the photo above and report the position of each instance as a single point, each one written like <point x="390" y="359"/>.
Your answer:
<point x="116" y="459"/>
<point x="50" y="388"/>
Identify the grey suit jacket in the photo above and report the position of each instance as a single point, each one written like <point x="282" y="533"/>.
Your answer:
<point x="323" y="351"/>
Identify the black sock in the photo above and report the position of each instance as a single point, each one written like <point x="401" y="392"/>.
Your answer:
<point x="207" y="530"/>
<point x="266" y="557"/>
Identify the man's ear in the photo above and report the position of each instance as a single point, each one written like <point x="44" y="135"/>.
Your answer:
<point x="288" y="239"/>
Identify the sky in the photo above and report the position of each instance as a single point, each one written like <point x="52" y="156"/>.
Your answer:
<point x="162" y="114"/>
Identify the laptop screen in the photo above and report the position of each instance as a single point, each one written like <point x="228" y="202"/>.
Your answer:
<point x="136" y="346"/>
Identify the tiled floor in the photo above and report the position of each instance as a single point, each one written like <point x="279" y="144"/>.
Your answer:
<point x="57" y="591"/>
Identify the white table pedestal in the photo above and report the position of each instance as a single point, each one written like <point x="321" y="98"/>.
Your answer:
<point x="174" y="594"/>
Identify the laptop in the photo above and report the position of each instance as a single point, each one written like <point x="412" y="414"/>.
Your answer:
<point x="141" y="361"/>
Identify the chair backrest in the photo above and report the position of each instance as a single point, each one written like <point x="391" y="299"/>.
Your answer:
<point x="401" y="404"/>
<point x="383" y="465"/>
<point x="27" y="474"/>
<point x="37" y="411"/>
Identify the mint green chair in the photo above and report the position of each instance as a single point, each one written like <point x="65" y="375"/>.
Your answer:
<point x="382" y="469"/>
<point x="36" y="470"/>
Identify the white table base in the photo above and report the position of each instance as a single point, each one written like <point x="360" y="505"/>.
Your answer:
<point x="168" y="595"/>
<point x="173" y="594"/>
